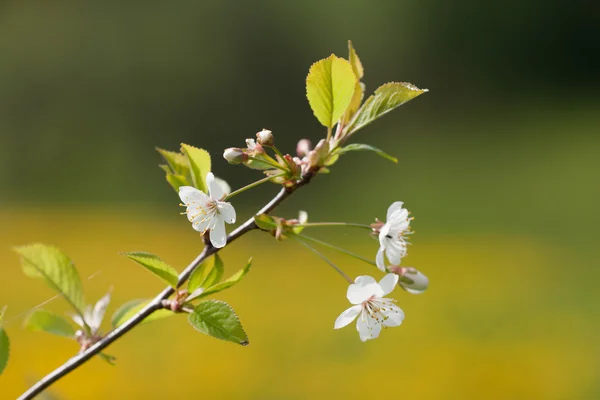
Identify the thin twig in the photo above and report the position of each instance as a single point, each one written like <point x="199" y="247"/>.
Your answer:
<point x="156" y="304"/>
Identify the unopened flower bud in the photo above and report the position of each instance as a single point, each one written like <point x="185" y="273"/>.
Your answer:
<point x="411" y="279"/>
<point x="233" y="155"/>
<point x="265" y="137"/>
<point x="303" y="147"/>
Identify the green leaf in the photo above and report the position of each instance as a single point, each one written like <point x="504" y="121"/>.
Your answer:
<point x="132" y="307"/>
<point x="329" y="88"/>
<point x="108" y="358"/>
<point x="56" y="269"/>
<point x="365" y="147"/>
<point x="176" y="181"/>
<point x="207" y="274"/>
<point x="265" y="222"/>
<point x="232" y="280"/>
<point x="155" y="265"/>
<point x="385" y="99"/>
<point x="40" y="320"/>
<point x="199" y="161"/>
<point x="2" y="312"/>
<point x="217" y="319"/>
<point x="4" y="349"/>
<point x="178" y="162"/>
<point x="357" y="66"/>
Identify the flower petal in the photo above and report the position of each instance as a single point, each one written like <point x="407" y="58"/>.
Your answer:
<point x="367" y="327"/>
<point x="393" y="315"/>
<point x="99" y="310"/>
<point x="202" y="222"/>
<point x="224" y="185"/>
<point x="215" y="190"/>
<point x="347" y="316"/>
<point x="388" y="283"/>
<point x="227" y="211"/>
<point x="218" y="236"/>
<point x="362" y="289"/>
<point x="395" y="250"/>
<point x="380" y="260"/>
<point x="414" y="282"/>
<point x="189" y="194"/>
<point x="391" y="209"/>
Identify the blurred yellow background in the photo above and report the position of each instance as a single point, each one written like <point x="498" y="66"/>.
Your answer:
<point x="498" y="163"/>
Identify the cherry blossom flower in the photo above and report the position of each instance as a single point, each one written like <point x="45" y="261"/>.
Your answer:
<point x="208" y="212"/>
<point x="373" y="311"/>
<point x="392" y="236"/>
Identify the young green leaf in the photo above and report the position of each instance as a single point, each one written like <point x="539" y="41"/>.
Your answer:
<point x="365" y="147"/>
<point x="4" y="349"/>
<point x="108" y="358"/>
<point x="155" y="265"/>
<point x="40" y="320"/>
<point x="199" y="161"/>
<point x="329" y="88"/>
<point x="132" y="307"/>
<point x="229" y="282"/>
<point x="207" y="274"/>
<point x="217" y="319"/>
<point x="357" y="66"/>
<point x="265" y="222"/>
<point x="385" y="99"/>
<point x="177" y="162"/>
<point x="56" y="269"/>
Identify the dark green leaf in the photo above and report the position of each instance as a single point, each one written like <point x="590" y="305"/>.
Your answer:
<point x="217" y="319"/>
<point x="4" y="349"/>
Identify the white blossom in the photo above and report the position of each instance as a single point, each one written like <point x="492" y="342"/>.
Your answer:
<point x="209" y="212"/>
<point x="373" y="311"/>
<point x="392" y="235"/>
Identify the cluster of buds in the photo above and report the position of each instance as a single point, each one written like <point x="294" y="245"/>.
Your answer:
<point x="312" y="160"/>
<point x="281" y="228"/>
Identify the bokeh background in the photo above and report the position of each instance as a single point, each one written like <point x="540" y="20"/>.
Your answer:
<point x="498" y="163"/>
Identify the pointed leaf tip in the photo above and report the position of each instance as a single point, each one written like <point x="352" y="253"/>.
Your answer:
<point x="156" y="266"/>
<point x="217" y="319"/>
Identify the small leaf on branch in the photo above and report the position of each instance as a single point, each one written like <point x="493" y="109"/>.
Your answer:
<point x="330" y="85"/>
<point x="41" y="320"/>
<point x="385" y="99"/>
<point x="226" y="284"/>
<point x="365" y="147"/>
<point x="177" y="162"/>
<point x="108" y="358"/>
<point x="357" y="66"/>
<point x="4" y="343"/>
<point x="132" y="307"/>
<point x="155" y="265"/>
<point x="217" y="319"/>
<point x="265" y="222"/>
<point x="199" y="161"/>
<point x="56" y="269"/>
<point x="207" y="274"/>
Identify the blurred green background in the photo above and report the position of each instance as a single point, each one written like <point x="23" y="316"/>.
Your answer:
<point x="498" y="163"/>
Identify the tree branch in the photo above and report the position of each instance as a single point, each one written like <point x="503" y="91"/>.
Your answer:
<point x="156" y="304"/>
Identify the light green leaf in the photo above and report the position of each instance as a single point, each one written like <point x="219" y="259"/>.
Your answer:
<point x="207" y="274"/>
<point x="329" y="88"/>
<point x="176" y="181"/>
<point x="155" y="265"/>
<point x="178" y="162"/>
<point x="199" y="161"/>
<point x="365" y="147"/>
<point x="132" y="307"/>
<point x="4" y="349"/>
<point x="56" y="269"/>
<point x="232" y="280"/>
<point x="40" y="320"/>
<point x="217" y="319"/>
<point x="385" y="99"/>
<point x="357" y="66"/>
<point x="265" y="222"/>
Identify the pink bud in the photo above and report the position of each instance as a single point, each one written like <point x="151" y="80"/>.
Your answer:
<point x="233" y="155"/>
<point x="265" y="137"/>
<point x="303" y="147"/>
